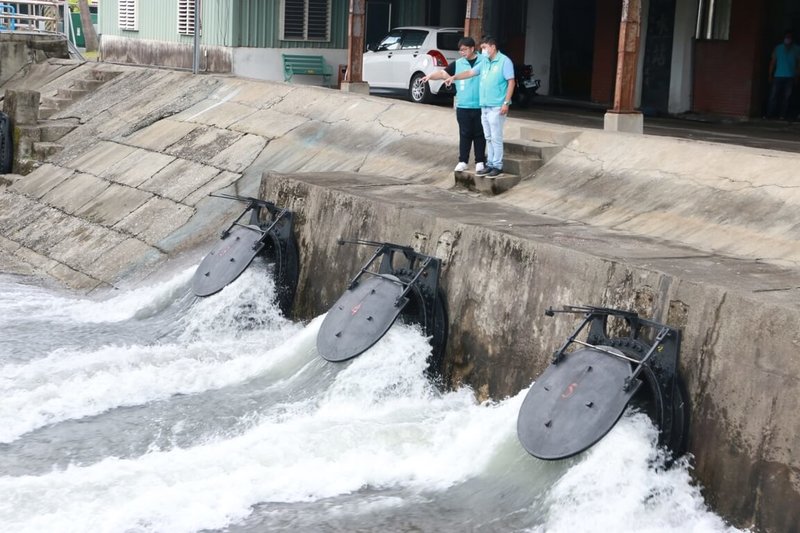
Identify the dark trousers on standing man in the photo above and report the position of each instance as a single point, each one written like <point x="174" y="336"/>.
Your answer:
<point x="470" y="132"/>
<point x="780" y="95"/>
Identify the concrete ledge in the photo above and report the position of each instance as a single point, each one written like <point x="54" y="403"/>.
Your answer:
<point x="504" y="266"/>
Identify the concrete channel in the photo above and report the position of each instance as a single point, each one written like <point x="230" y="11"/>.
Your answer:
<point x="698" y="235"/>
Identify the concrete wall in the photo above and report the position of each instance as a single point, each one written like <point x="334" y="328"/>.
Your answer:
<point x="267" y="63"/>
<point x="18" y="50"/>
<point x="163" y="54"/>
<point x="504" y="266"/>
<point x="680" y="87"/>
<point x="539" y="40"/>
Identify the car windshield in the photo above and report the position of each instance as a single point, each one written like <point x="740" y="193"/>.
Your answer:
<point x="448" y="40"/>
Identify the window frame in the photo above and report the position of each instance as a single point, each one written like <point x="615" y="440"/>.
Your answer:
<point x="305" y="37"/>
<point x="186" y="17"/>
<point x="713" y="20"/>
<point x="128" y="15"/>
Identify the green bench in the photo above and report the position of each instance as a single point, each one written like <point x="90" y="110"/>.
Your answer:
<point x="306" y="65"/>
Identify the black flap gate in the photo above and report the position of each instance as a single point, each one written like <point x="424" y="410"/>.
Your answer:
<point x="269" y="232"/>
<point x="374" y="300"/>
<point x="583" y="393"/>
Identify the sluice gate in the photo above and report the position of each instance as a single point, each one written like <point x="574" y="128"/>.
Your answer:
<point x="406" y="283"/>
<point x="583" y="393"/>
<point x="269" y="233"/>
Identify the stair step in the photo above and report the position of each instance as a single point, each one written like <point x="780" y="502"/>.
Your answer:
<point x="46" y="112"/>
<point x="72" y="94"/>
<point x="522" y="166"/>
<point x="104" y="75"/>
<point x="54" y="130"/>
<point x="57" y="102"/>
<point x="43" y="150"/>
<point x="88" y="85"/>
<point x="544" y="150"/>
<point x="560" y="137"/>
<point x="485" y="184"/>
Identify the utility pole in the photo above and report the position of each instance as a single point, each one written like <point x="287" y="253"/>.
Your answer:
<point x="354" y="81"/>
<point x="197" y="25"/>
<point x="473" y="24"/>
<point x="624" y="117"/>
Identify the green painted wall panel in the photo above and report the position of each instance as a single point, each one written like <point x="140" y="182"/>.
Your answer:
<point x="246" y="23"/>
<point x="158" y="21"/>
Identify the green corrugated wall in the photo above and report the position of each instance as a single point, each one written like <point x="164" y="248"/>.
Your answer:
<point x="245" y="23"/>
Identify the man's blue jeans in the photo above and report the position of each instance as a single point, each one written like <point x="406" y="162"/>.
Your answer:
<point x="493" y="123"/>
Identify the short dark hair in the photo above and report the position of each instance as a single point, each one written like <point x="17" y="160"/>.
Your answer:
<point x="488" y="39"/>
<point x="466" y="41"/>
<point x="789" y="32"/>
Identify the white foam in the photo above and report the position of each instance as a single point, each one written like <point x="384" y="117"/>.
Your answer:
<point x="620" y="485"/>
<point x="382" y="430"/>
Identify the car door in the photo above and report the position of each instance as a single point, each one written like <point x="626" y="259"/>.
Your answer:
<point x="377" y="64"/>
<point x="404" y="59"/>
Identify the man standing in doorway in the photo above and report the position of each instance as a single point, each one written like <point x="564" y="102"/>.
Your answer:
<point x="496" y="88"/>
<point x="468" y="108"/>
<point x="784" y="70"/>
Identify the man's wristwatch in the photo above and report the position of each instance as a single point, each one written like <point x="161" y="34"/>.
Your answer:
<point x="506" y="103"/>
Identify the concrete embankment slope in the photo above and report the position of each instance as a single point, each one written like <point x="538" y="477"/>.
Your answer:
<point x="613" y="220"/>
<point x="130" y="186"/>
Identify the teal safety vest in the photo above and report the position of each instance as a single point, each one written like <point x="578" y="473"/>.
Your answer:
<point x="468" y="90"/>
<point x="493" y="84"/>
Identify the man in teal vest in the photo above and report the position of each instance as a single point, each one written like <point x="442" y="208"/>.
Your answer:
<point x="496" y="87"/>
<point x="468" y="107"/>
<point x="784" y="69"/>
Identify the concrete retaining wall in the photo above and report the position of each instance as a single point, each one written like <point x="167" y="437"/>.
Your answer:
<point x="18" y="50"/>
<point x="504" y="267"/>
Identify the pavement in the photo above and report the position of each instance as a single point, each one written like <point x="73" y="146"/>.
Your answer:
<point x="756" y="133"/>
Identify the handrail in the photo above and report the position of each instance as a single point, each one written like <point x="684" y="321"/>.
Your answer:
<point x="33" y="15"/>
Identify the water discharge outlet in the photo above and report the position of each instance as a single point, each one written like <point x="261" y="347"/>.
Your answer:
<point x="376" y="298"/>
<point x="583" y="393"/>
<point x="269" y="233"/>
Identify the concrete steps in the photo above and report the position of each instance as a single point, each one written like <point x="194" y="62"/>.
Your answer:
<point x="521" y="159"/>
<point x="53" y="130"/>
<point x="43" y="150"/>
<point x="65" y="97"/>
<point x="488" y="185"/>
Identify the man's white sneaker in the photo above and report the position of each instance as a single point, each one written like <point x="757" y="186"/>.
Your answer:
<point x="461" y="167"/>
<point x="480" y="167"/>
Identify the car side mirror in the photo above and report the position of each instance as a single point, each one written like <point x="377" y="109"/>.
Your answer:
<point x="370" y="47"/>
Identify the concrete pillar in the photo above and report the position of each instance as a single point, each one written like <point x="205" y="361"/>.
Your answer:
<point x="473" y="24"/>
<point x="624" y="117"/>
<point x="354" y="81"/>
<point x="22" y="107"/>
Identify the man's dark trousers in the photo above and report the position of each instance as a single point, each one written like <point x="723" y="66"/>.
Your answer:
<point x="470" y="132"/>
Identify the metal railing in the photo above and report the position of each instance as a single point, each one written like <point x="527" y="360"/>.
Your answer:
<point x="34" y="15"/>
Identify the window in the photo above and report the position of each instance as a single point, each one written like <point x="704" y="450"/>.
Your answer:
<point x="129" y="15"/>
<point x="186" y="17"/>
<point x="306" y="20"/>
<point x="713" y="20"/>
<point x="413" y="39"/>
<point x="391" y="41"/>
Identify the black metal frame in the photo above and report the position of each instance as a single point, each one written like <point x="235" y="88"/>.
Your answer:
<point x="277" y="235"/>
<point x="423" y="278"/>
<point x="654" y="360"/>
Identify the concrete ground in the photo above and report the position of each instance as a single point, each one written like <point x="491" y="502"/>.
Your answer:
<point x="755" y="133"/>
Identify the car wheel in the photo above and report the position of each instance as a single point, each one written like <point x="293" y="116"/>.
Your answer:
<point x="418" y="90"/>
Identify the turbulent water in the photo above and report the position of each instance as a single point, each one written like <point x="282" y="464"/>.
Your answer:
<point x="153" y="410"/>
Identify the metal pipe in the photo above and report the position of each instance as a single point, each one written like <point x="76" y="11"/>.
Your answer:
<point x="196" y="54"/>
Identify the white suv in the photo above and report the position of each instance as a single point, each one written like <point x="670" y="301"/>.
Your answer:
<point x="401" y="59"/>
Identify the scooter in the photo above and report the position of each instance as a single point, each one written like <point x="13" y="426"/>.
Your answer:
<point x="525" y="87"/>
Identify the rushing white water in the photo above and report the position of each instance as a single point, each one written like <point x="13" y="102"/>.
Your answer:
<point x="157" y="411"/>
